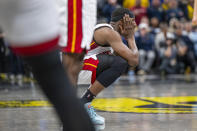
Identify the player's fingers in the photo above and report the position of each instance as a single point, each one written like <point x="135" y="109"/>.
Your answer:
<point x="121" y="29"/>
<point x="131" y="21"/>
<point x="127" y="17"/>
<point x="134" y="23"/>
<point x="126" y="21"/>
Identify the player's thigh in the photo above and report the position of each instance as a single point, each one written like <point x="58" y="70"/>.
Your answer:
<point x="105" y="62"/>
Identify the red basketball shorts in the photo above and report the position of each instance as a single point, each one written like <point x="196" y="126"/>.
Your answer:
<point x="77" y="18"/>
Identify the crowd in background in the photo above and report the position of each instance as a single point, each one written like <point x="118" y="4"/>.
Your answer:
<point x="11" y="66"/>
<point x="166" y="40"/>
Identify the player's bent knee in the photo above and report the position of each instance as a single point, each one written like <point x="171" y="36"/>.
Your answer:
<point x="121" y="65"/>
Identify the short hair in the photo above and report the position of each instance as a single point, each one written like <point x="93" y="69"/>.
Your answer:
<point x="119" y="13"/>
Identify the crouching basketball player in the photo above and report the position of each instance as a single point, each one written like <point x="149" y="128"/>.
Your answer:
<point x="101" y="67"/>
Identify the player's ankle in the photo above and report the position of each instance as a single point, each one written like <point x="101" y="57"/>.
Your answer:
<point x="88" y="96"/>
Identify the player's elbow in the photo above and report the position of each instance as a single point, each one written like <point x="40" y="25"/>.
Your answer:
<point x="136" y="61"/>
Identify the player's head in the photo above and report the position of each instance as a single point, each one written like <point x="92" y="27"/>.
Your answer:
<point x="119" y="13"/>
<point x="117" y="16"/>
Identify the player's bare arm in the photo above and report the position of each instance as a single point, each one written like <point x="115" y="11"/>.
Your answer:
<point x="106" y="35"/>
<point x="194" y="20"/>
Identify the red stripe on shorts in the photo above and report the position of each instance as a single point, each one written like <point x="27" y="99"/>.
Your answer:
<point x="74" y="43"/>
<point x="89" y="67"/>
<point x="79" y="37"/>
<point x="70" y="26"/>
<point x="93" y="46"/>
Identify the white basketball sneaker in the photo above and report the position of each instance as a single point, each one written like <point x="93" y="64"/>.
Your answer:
<point x="96" y="119"/>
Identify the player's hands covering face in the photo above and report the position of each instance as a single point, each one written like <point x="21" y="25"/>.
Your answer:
<point x="127" y="28"/>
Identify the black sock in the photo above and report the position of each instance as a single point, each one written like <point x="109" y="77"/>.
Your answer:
<point x="88" y="96"/>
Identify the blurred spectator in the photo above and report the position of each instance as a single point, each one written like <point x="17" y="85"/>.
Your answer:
<point x="161" y="1"/>
<point x="173" y="11"/>
<point x="185" y="49"/>
<point x="184" y="38"/>
<point x="193" y="36"/>
<point x="2" y="52"/>
<point x="145" y="20"/>
<point x="109" y="7"/>
<point x="155" y="10"/>
<point x="145" y="44"/>
<point x="190" y="9"/>
<point x="183" y="60"/>
<point x="10" y="63"/>
<point x="154" y="22"/>
<point x="188" y="27"/>
<point x="165" y="5"/>
<point x="120" y="2"/>
<point x="168" y="64"/>
<point x="182" y="5"/>
<point x="160" y="40"/>
<point x="174" y="22"/>
<point x="187" y="7"/>
<point x="100" y="5"/>
<point x="191" y="32"/>
<point x="17" y="69"/>
<point x="139" y="11"/>
<point x="131" y="3"/>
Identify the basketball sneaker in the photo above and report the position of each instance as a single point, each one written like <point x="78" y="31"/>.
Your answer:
<point x="96" y="119"/>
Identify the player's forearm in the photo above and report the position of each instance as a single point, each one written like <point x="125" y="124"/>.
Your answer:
<point x="194" y="20"/>
<point x="134" y="52"/>
<point x="132" y="45"/>
<point x="195" y="9"/>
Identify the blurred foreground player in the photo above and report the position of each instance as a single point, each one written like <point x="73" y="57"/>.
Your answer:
<point x="78" y="18"/>
<point x="31" y="28"/>
<point x="101" y="68"/>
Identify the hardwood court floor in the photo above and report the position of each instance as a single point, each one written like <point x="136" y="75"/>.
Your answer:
<point x="146" y="103"/>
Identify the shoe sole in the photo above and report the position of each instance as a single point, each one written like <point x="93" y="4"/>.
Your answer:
<point x="99" y="127"/>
